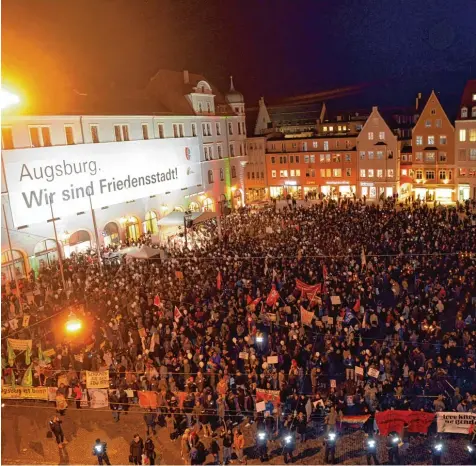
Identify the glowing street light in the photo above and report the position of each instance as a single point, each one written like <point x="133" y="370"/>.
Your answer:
<point x="73" y="324"/>
<point x="7" y="99"/>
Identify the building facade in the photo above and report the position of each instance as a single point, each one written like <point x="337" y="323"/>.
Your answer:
<point x="187" y="124"/>
<point x="378" y="164"/>
<point x="465" y="144"/>
<point x="433" y="162"/>
<point x="256" y="180"/>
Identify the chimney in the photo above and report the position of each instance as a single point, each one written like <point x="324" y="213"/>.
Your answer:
<point x="417" y="102"/>
<point x="186" y="78"/>
<point x="374" y="109"/>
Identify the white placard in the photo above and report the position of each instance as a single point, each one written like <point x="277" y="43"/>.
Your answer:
<point x="374" y="373"/>
<point x="243" y="355"/>
<point x="335" y="300"/>
<point x="261" y="406"/>
<point x="333" y="383"/>
<point x="272" y="360"/>
<point x="359" y="370"/>
<point x="110" y="173"/>
<point x="455" y="423"/>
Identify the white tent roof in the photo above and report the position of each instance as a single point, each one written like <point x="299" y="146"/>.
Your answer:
<point x="175" y="219"/>
<point x="144" y="252"/>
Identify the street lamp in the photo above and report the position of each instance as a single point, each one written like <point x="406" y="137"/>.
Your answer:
<point x="7" y="99"/>
<point x="73" y="324"/>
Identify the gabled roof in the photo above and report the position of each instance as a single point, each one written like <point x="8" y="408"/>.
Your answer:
<point x="467" y="98"/>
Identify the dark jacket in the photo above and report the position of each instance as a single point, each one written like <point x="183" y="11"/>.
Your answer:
<point x="56" y="427"/>
<point x="137" y="448"/>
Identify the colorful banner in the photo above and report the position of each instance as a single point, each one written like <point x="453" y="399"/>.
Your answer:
<point x="147" y="399"/>
<point x="19" y="345"/>
<point x="49" y="352"/>
<point x="24" y="393"/>
<point x="52" y="393"/>
<point x="393" y="420"/>
<point x="99" y="379"/>
<point x="357" y="419"/>
<point x="267" y="395"/>
<point x="455" y="423"/>
<point x="273" y="296"/>
<point x="99" y="397"/>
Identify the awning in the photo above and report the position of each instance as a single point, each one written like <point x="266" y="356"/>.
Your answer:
<point x="144" y="252"/>
<point x="406" y="179"/>
<point x="204" y="217"/>
<point x="175" y="219"/>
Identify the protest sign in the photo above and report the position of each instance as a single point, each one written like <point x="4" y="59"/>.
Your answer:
<point x="243" y="355"/>
<point x="99" y="379"/>
<point x="24" y="393"/>
<point x="272" y="360"/>
<point x="333" y="383"/>
<point x="19" y="345"/>
<point x="330" y="321"/>
<point x="49" y="352"/>
<point x="99" y="397"/>
<point x="63" y="379"/>
<point x="260" y="406"/>
<point x="359" y="370"/>
<point x="455" y="423"/>
<point x="335" y="300"/>
<point x="373" y="373"/>
<point x="267" y="395"/>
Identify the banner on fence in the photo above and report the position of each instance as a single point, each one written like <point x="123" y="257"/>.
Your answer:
<point x="358" y="419"/>
<point x="19" y="345"/>
<point x="99" y="397"/>
<point x="267" y="395"/>
<point x="99" y="379"/>
<point x="147" y="399"/>
<point x="393" y="420"/>
<point x="24" y="393"/>
<point x="455" y="423"/>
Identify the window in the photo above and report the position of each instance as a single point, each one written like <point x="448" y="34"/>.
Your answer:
<point x="442" y="157"/>
<point x="419" y="157"/>
<point x="362" y="172"/>
<point x="390" y="173"/>
<point x="433" y="111"/>
<point x="381" y="135"/>
<point x="326" y="145"/>
<point x="297" y="158"/>
<point x="362" y="155"/>
<point x="379" y="155"/>
<point x="328" y="172"/>
<point x="145" y="131"/>
<point x="371" y="154"/>
<point x="324" y="128"/>
<point x="430" y="157"/>
<point x="218" y="129"/>
<point x="379" y="173"/>
<point x="298" y="172"/>
<point x="181" y="131"/>
<point x="371" y="136"/>
<point x="194" y="130"/>
<point x="230" y="129"/>
<point x="273" y="159"/>
<point x="443" y="140"/>
<point x="210" y="176"/>
<point x="438" y="123"/>
<point x="222" y="174"/>
<point x="337" y="144"/>
<point x="232" y="150"/>
<point x="306" y="159"/>
<point x="404" y="172"/>
<point x="283" y="173"/>
<point x="347" y="144"/>
<point x="248" y="175"/>
<point x="430" y="174"/>
<point x="176" y="135"/>
<point x="419" y="140"/>
<point x="431" y="140"/>
<point x="473" y="112"/>
<point x="337" y="172"/>
<point x="262" y="175"/>
<point x="312" y="159"/>
<point x="463" y="172"/>
<point x="472" y="135"/>
<point x="442" y="174"/>
<point x="40" y="136"/>
<point x="205" y="152"/>
<point x="69" y="135"/>
<point x="323" y="172"/>
<point x="419" y="174"/>
<point x="328" y="158"/>
<point x="370" y="172"/>
<point x="219" y="151"/>
<point x="291" y="159"/>
<point x="358" y="127"/>
<point x="7" y="138"/>
<point x="118" y="133"/>
<point x="241" y="149"/>
<point x="314" y="144"/>
<point x="339" y="128"/>
<point x="160" y="126"/>
<point x="294" y="145"/>
<point x="474" y="97"/>
<point x="347" y="158"/>
<point x="462" y="155"/>
<point x="472" y="154"/>
<point x="331" y="128"/>
<point x="336" y="158"/>
<point x="94" y="133"/>
<point x="348" y="172"/>
<point x="292" y="173"/>
<point x="253" y="175"/>
<point x="210" y="152"/>
<point x="204" y="129"/>
<point x="428" y="123"/>
<point x="462" y="135"/>
<point x="273" y="173"/>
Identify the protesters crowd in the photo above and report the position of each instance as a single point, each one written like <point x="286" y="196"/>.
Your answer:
<point x="397" y="295"/>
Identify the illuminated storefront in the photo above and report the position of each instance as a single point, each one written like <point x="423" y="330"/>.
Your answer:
<point x="444" y="195"/>
<point x="78" y="242"/>
<point x="464" y="192"/>
<point x="12" y="265"/>
<point x="111" y="234"/>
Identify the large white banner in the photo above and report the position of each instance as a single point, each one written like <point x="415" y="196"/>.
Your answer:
<point x="455" y="423"/>
<point x="64" y="177"/>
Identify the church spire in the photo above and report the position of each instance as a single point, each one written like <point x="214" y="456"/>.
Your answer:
<point x="232" y="87"/>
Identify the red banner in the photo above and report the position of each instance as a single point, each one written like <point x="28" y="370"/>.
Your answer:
<point x="147" y="399"/>
<point x="392" y="420"/>
<point x="267" y="395"/>
<point x="305" y="288"/>
<point x="272" y="297"/>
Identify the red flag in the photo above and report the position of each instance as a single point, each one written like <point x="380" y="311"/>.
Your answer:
<point x="273" y="296"/>
<point x="305" y="288"/>
<point x="177" y="313"/>
<point x="256" y="301"/>
<point x="306" y="316"/>
<point x="324" y="272"/>
<point x="157" y="301"/>
<point x="357" y="306"/>
<point x="219" y="280"/>
<point x="249" y="300"/>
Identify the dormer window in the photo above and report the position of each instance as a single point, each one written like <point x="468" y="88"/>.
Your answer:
<point x="200" y="110"/>
<point x="464" y="112"/>
<point x="473" y="112"/>
<point x="204" y="87"/>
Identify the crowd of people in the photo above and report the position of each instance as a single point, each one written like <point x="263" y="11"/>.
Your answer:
<point x="397" y="295"/>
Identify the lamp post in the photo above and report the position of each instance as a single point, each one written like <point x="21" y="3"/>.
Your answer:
<point x="186" y="223"/>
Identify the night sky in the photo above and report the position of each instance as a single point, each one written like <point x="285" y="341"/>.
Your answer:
<point x="389" y="49"/>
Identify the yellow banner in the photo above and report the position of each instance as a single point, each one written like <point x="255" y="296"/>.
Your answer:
<point x="24" y="393"/>
<point x="49" y="352"/>
<point x="19" y="345"/>
<point x="97" y="379"/>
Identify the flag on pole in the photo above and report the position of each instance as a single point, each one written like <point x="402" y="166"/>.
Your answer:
<point x="256" y="301"/>
<point x="28" y="355"/>
<point x="324" y="271"/>
<point x="10" y="354"/>
<point x="27" y="380"/>
<point x="177" y="313"/>
<point x="306" y="316"/>
<point x="363" y="259"/>
<point x="305" y="288"/>
<point x="249" y="299"/>
<point x="273" y="296"/>
<point x="157" y="301"/>
<point x="219" y="280"/>
<point x="357" y="306"/>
